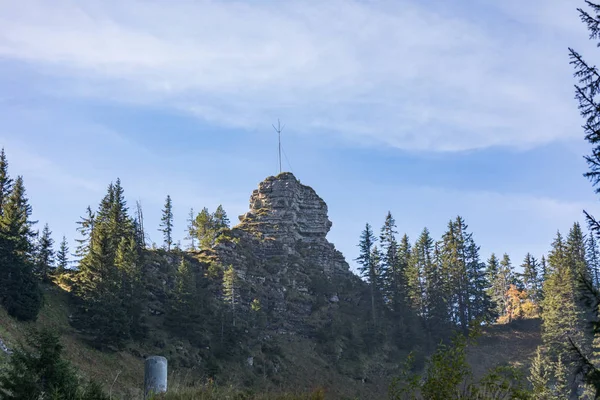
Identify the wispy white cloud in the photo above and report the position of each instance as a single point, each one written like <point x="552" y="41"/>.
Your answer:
<point x="32" y="165"/>
<point x="396" y="72"/>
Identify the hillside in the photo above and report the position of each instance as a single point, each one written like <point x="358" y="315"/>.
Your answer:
<point x="122" y="372"/>
<point x="511" y="344"/>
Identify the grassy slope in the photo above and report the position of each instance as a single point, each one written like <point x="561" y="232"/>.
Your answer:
<point x="91" y="363"/>
<point x="511" y="344"/>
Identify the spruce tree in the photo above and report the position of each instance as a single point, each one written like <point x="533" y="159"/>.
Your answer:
<point x="531" y="278"/>
<point x="561" y="380"/>
<point x="543" y="269"/>
<point x="420" y="262"/>
<point x="540" y="375"/>
<point x="492" y="268"/>
<point x="231" y="290"/>
<point x="389" y="259"/>
<point x="39" y="371"/>
<point x="560" y="311"/>
<point x="128" y="261"/>
<point x="220" y="218"/>
<point x="19" y="290"/>
<point x="108" y="279"/>
<point x="191" y="230"/>
<point x="453" y="256"/>
<point x="205" y="229"/>
<point x="394" y="262"/>
<point x="167" y="224"/>
<point x="184" y="315"/>
<point x="5" y="180"/>
<point x="575" y="247"/>
<point x="501" y="285"/>
<point x="140" y="233"/>
<point x="593" y="259"/>
<point x="85" y="229"/>
<point x="479" y="302"/>
<point x="437" y="307"/>
<point x="367" y="265"/>
<point x="586" y="93"/>
<point x="62" y="256"/>
<point x="45" y="254"/>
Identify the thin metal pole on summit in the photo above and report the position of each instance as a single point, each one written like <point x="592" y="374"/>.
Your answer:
<point x="279" y="129"/>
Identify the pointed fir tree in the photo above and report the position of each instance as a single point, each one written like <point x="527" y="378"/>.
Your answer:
<point x="575" y="247"/>
<point x="540" y="376"/>
<point x="107" y="275"/>
<point x="85" y="229"/>
<point x="377" y="287"/>
<point x="183" y="315"/>
<point x="437" y="321"/>
<point x="491" y="271"/>
<point x="38" y="370"/>
<point x="501" y="285"/>
<point x="453" y="257"/>
<point x="587" y="90"/>
<point x="231" y="291"/>
<point x="205" y="229"/>
<point x="543" y="270"/>
<point x="394" y="286"/>
<point x="420" y="262"/>
<point x="480" y="304"/>
<point x="140" y="233"/>
<point x="220" y="218"/>
<point x="191" y="230"/>
<point x="561" y="380"/>
<point x="128" y="262"/>
<point x="45" y="254"/>
<point x="593" y="259"/>
<point x="62" y="256"/>
<point x="531" y="278"/>
<point x="367" y="266"/>
<point x="389" y="258"/>
<point x="394" y="262"/>
<point x="166" y="224"/>
<point x="559" y="317"/>
<point x="5" y="180"/>
<point x="19" y="291"/>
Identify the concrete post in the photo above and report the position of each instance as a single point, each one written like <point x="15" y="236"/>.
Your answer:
<point x="155" y="376"/>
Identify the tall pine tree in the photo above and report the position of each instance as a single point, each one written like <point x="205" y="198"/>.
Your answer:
<point x="62" y="256"/>
<point x="191" y="231"/>
<point x="19" y="290"/>
<point x="166" y="224"/>
<point x="45" y="254"/>
<point x="593" y="259"/>
<point x="532" y="281"/>
<point x="368" y="267"/>
<point x="108" y="282"/>
<point x="559" y="305"/>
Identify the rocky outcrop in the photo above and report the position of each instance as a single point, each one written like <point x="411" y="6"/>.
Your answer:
<point x="295" y="218"/>
<point x="4" y="348"/>
<point x="282" y="256"/>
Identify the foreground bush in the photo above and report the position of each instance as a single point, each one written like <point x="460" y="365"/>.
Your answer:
<point x="37" y="371"/>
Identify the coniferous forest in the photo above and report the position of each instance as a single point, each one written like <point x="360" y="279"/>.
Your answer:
<point x="245" y="312"/>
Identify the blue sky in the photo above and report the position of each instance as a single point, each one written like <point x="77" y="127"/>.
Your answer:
<point x="428" y="109"/>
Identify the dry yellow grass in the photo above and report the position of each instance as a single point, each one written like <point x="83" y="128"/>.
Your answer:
<point x="511" y="344"/>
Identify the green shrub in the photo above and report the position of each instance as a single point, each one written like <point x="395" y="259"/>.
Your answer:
<point x="37" y="371"/>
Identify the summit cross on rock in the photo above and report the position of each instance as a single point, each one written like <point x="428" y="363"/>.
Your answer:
<point x="279" y="129"/>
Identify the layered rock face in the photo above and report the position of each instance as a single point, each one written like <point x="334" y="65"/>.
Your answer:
<point x="295" y="218"/>
<point x="281" y="253"/>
